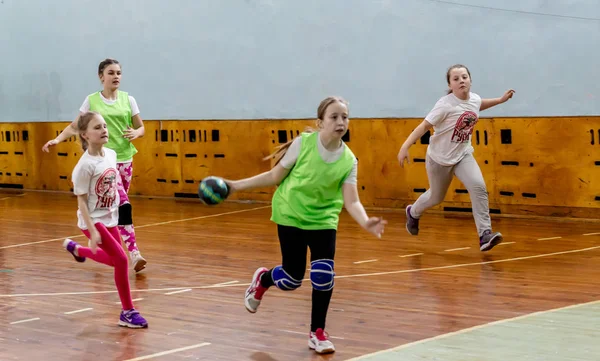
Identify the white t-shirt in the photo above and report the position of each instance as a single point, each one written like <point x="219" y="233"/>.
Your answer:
<point x="135" y="110"/>
<point x="453" y="121"/>
<point x="96" y="176"/>
<point x="293" y="152"/>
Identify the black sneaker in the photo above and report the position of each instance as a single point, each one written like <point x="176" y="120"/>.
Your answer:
<point x="412" y="224"/>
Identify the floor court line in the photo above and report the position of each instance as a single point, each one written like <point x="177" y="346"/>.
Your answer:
<point x="78" y="311"/>
<point x="15" y="196"/>
<point x="412" y="270"/>
<point x="23" y="321"/>
<point x="472" y="264"/>
<point x="40" y="242"/>
<point x="366" y="261"/>
<point x="226" y="283"/>
<point x="202" y="217"/>
<point x="411" y="255"/>
<point x="168" y="352"/>
<point x="115" y="291"/>
<point x="456" y="249"/>
<point x="466" y="330"/>
<point x="142" y="226"/>
<point x="134" y="300"/>
<point x="180" y="291"/>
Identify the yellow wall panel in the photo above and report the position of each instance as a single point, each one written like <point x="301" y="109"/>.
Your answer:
<point x="530" y="165"/>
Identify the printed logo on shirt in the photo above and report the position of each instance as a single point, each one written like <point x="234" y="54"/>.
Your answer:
<point x="464" y="127"/>
<point x="106" y="188"/>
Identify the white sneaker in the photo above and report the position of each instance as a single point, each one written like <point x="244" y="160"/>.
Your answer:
<point x="319" y="341"/>
<point x="255" y="291"/>
<point x="137" y="261"/>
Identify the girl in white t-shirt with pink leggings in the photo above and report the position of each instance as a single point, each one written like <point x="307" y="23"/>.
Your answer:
<point x="95" y="180"/>
<point x="450" y="153"/>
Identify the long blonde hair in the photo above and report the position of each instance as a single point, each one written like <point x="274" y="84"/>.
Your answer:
<point x="82" y="125"/>
<point x="282" y="149"/>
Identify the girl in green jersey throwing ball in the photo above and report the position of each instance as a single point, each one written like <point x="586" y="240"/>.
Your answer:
<point x="317" y="175"/>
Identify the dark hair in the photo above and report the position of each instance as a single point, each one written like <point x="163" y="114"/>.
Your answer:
<point x="82" y="125"/>
<point x="106" y="62"/>
<point x="325" y="103"/>
<point x="455" y="66"/>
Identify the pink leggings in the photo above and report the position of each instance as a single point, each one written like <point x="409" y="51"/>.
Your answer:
<point x="111" y="253"/>
<point x="123" y="182"/>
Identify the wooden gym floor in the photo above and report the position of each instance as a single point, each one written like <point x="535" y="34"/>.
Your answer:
<point x="433" y="296"/>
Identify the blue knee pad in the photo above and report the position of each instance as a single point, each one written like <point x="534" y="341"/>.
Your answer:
<point x="283" y="280"/>
<point x="322" y="274"/>
<point x="125" y="217"/>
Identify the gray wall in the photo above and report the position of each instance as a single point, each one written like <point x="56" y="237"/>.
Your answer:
<point x="236" y="59"/>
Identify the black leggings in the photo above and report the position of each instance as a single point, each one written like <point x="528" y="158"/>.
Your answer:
<point x="294" y="242"/>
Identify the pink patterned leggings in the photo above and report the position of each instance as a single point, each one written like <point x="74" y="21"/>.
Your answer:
<point x="123" y="183"/>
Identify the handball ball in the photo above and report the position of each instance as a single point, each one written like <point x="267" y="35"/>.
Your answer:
<point x="213" y="190"/>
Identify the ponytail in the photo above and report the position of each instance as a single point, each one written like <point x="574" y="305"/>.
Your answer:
<point x="84" y="143"/>
<point x="280" y="151"/>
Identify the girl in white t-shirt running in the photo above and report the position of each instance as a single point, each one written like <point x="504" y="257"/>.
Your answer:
<point x="450" y="153"/>
<point x="95" y="180"/>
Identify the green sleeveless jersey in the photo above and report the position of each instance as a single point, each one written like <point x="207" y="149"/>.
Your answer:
<point x="117" y="117"/>
<point x="310" y="197"/>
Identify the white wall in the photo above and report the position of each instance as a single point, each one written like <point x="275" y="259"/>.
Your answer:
<point x="253" y="59"/>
